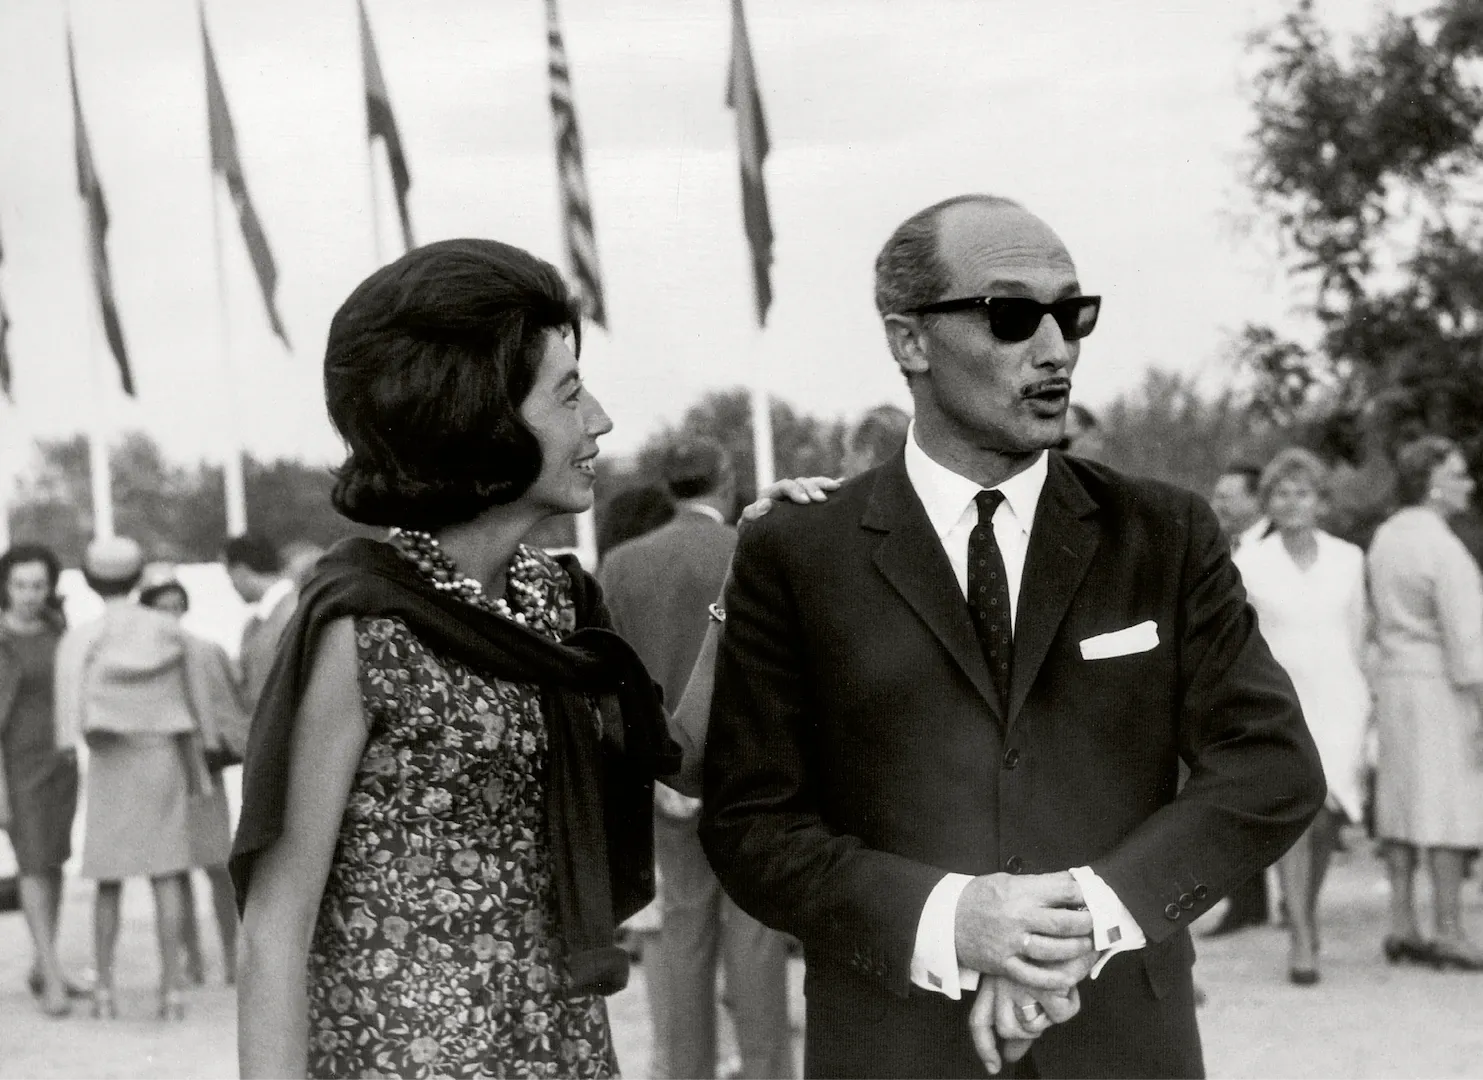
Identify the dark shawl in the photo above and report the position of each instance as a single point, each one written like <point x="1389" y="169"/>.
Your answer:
<point x="599" y="784"/>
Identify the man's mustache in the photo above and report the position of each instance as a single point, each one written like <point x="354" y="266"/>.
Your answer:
<point x="1046" y="386"/>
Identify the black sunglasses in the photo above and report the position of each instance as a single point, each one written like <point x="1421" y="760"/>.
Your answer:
<point x="1016" y="318"/>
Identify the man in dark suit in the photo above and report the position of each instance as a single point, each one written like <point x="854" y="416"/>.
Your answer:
<point x="255" y="566"/>
<point x="936" y="795"/>
<point x="659" y="589"/>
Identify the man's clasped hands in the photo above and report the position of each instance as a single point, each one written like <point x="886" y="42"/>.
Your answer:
<point x="1031" y="938"/>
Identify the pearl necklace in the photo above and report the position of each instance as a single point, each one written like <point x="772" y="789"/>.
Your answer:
<point x="423" y="551"/>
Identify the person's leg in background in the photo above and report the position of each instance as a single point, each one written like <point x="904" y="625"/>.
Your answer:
<point x="224" y="901"/>
<point x="685" y="954"/>
<point x="755" y="961"/>
<point x="105" y="943"/>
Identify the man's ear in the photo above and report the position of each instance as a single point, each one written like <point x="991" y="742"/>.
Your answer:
<point x="905" y="335"/>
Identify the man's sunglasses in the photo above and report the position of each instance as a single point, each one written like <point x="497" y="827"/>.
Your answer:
<point x="1016" y="318"/>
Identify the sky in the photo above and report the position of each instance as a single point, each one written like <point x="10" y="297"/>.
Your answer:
<point x="1121" y="122"/>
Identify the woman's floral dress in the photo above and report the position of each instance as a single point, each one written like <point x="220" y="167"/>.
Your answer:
<point x="436" y="951"/>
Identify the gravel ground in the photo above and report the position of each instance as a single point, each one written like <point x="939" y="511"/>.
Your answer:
<point x="1363" y="1020"/>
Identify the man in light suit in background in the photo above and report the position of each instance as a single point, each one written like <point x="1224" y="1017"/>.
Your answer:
<point x="256" y="569"/>
<point x="659" y="588"/>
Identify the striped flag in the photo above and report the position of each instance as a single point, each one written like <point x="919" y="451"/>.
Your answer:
<point x="576" y="208"/>
<point x="380" y="123"/>
<point x="226" y="161"/>
<point x="751" y="136"/>
<point x="4" y="332"/>
<point x="97" y="209"/>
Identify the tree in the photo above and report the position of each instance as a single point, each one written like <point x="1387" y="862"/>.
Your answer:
<point x="803" y="445"/>
<point x="1367" y="163"/>
<point x="177" y="512"/>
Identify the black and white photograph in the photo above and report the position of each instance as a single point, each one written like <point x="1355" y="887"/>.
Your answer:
<point x="741" y="539"/>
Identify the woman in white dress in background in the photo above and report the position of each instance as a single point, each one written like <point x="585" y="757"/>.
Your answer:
<point x="1308" y="589"/>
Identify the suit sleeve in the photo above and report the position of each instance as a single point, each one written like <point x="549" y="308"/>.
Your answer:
<point x="1255" y="779"/>
<point x="762" y="822"/>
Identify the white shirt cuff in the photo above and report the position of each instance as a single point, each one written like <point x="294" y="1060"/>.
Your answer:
<point x="1114" y="929"/>
<point x="934" y="959"/>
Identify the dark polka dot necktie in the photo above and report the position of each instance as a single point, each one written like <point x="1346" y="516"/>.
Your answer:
<point x="988" y="594"/>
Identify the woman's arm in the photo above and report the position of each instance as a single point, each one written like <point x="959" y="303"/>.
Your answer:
<point x="329" y="736"/>
<point x="692" y="716"/>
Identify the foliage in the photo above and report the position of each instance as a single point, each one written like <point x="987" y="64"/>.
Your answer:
<point x="177" y="512"/>
<point x="1365" y="159"/>
<point x="803" y="445"/>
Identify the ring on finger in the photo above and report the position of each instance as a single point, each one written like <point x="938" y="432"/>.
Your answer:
<point x="1030" y="1014"/>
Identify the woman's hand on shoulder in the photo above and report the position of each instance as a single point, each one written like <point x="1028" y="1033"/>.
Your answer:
<point x="803" y="489"/>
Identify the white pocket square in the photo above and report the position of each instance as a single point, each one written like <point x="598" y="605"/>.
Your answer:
<point x="1133" y="639"/>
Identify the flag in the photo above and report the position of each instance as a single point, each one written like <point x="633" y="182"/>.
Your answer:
<point x="4" y="331"/>
<point x="751" y="136"/>
<point x="226" y="161"/>
<point x="380" y="123"/>
<point x="91" y="191"/>
<point x="576" y="208"/>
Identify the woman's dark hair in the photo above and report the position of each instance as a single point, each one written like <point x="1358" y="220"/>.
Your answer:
<point x="427" y="364"/>
<point x="632" y="512"/>
<point x="1414" y="464"/>
<point x="32" y="553"/>
<point x="152" y="596"/>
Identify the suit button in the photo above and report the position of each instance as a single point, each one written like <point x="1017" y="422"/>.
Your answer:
<point x="1171" y="912"/>
<point x="1186" y="901"/>
<point x="1201" y="892"/>
<point x="1014" y="864"/>
<point x="1011" y="758"/>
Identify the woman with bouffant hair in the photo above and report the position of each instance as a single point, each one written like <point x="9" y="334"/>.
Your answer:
<point x="440" y="831"/>
<point x="1428" y="600"/>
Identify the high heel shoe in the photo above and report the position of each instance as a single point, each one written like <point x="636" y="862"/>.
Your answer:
<point x="1303" y="976"/>
<point x="1406" y="950"/>
<point x="104" y="1007"/>
<point x="1459" y="957"/>
<point x="172" y="1008"/>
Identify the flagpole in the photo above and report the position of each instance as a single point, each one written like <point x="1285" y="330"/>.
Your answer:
<point x="100" y="477"/>
<point x="762" y="449"/>
<point x="234" y="483"/>
<point x="9" y="468"/>
<point x="375" y="201"/>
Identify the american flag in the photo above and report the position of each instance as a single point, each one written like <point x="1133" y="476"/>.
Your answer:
<point x="91" y="191"/>
<point x="576" y="207"/>
<point x="751" y="136"/>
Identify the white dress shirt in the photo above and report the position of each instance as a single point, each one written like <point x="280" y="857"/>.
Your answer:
<point x="949" y="502"/>
<point x="271" y="598"/>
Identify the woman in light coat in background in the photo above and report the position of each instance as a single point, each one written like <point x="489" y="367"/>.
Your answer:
<point x="126" y="684"/>
<point x="1428" y="600"/>
<point x="1308" y="589"/>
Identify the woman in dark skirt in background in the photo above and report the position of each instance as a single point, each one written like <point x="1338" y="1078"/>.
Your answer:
<point x="38" y="776"/>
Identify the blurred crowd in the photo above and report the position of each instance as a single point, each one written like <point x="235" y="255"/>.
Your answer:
<point x="133" y="718"/>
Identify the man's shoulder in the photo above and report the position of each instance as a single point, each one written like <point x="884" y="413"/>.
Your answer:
<point x="1126" y="493"/>
<point x="812" y="523"/>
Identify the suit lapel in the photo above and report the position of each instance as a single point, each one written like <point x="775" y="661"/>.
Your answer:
<point x="912" y="559"/>
<point x="1062" y="542"/>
